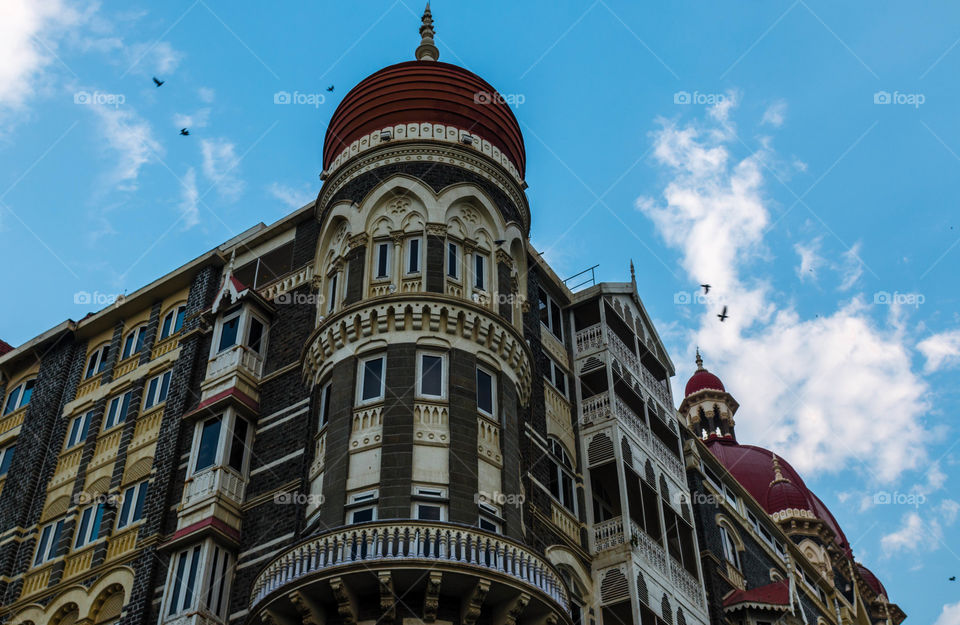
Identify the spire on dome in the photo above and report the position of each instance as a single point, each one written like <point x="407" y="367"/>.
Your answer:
<point x="777" y="473"/>
<point x="427" y="51"/>
<point x="699" y="360"/>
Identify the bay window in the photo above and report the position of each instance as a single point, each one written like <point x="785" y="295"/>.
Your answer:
<point x="241" y="327"/>
<point x="199" y="580"/>
<point x="222" y="440"/>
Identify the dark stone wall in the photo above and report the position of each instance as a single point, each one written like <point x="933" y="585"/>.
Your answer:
<point x="355" y="275"/>
<point x="434" y="269"/>
<point x="396" y="457"/>
<point x="464" y="483"/>
<point x="343" y="378"/>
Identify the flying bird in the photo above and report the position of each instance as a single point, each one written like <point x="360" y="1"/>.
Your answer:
<point x="723" y="315"/>
<point x="330" y="88"/>
<point x="706" y="288"/>
<point x="184" y="132"/>
<point x="157" y="81"/>
<point x="953" y="579"/>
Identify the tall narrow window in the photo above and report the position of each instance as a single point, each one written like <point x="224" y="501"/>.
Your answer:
<point x="49" y="540"/>
<point x="184" y="582"/>
<point x="131" y="504"/>
<point x="486" y="393"/>
<point x="729" y="547"/>
<point x="6" y="457"/>
<point x="383" y="260"/>
<point x="413" y="255"/>
<point x="453" y="260"/>
<point x="332" y="292"/>
<point x="430" y="379"/>
<point x="480" y="271"/>
<point x="208" y="444"/>
<point x="88" y="529"/>
<point x="238" y="445"/>
<point x="157" y="389"/>
<point x="97" y="361"/>
<point x="255" y="335"/>
<point x="325" y="404"/>
<point x="117" y="410"/>
<point x="372" y="379"/>
<point x="134" y="342"/>
<point x="550" y="314"/>
<point x="561" y="477"/>
<point x="172" y="322"/>
<point x="19" y="396"/>
<point x="77" y="430"/>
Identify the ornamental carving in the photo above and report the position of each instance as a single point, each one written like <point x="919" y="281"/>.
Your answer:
<point x="399" y="206"/>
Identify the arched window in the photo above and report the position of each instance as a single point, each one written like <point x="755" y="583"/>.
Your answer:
<point x="562" y="483"/>
<point x="730" y="551"/>
<point x="134" y="342"/>
<point x="19" y="396"/>
<point x="173" y="321"/>
<point x="97" y="361"/>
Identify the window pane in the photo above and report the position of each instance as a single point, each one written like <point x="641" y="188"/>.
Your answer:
<point x="104" y="356"/>
<point x="125" y="507"/>
<point x="428" y="513"/>
<point x="124" y="407"/>
<point x="557" y="325"/>
<point x="95" y="527"/>
<point x="12" y="400"/>
<point x="92" y="364"/>
<point x="238" y="444"/>
<point x="164" y="386"/>
<point x="479" y="268"/>
<point x="74" y="431"/>
<point x="372" y="378"/>
<point x="192" y="579"/>
<point x="332" y="296"/>
<point x="325" y="405"/>
<point x="361" y="516"/>
<point x="141" y="338"/>
<point x="544" y="306"/>
<point x="82" y="528"/>
<point x="255" y="340"/>
<point x="177" y="583"/>
<point x="6" y="459"/>
<point x="42" y="548"/>
<point x="27" y="393"/>
<point x="141" y="498"/>
<point x="165" y="328"/>
<point x="228" y="336"/>
<point x="209" y="439"/>
<point x="452" y="260"/>
<point x="431" y="375"/>
<point x="178" y="323"/>
<point x="383" y="257"/>
<point x="413" y="265"/>
<point x="484" y="391"/>
<point x="151" y="391"/>
<point x="128" y="345"/>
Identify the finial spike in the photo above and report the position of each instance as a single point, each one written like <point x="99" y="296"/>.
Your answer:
<point x="633" y="275"/>
<point x="699" y="360"/>
<point x="427" y="51"/>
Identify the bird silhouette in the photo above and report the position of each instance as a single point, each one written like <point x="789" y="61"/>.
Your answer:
<point x="953" y="578"/>
<point x="330" y="88"/>
<point x="184" y="132"/>
<point x="706" y="288"/>
<point x="723" y="315"/>
<point x="157" y="81"/>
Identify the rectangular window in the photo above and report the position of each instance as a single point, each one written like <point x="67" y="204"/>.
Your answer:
<point x="184" y="581"/>
<point x="413" y="256"/>
<point x="209" y="443"/>
<point x="49" y="539"/>
<point x="255" y="335"/>
<point x="117" y="410"/>
<point x="556" y="376"/>
<point x="372" y="379"/>
<point x="325" y="404"/>
<point x="98" y="361"/>
<point x="488" y="524"/>
<point x="362" y="515"/>
<point x="228" y="332"/>
<point x="382" y="260"/>
<point x="453" y="260"/>
<point x="88" y="530"/>
<point x="6" y="457"/>
<point x="550" y="314"/>
<point x="77" y="432"/>
<point x="479" y="272"/>
<point x="430" y="511"/>
<point x="430" y="378"/>
<point x="218" y="582"/>
<point x="157" y="389"/>
<point x="173" y="322"/>
<point x="332" y="293"/>
<point x="238" y="444"/>
<point x="486" y="393"/>
<point x="134" y="342"/>
<point x="131" y="505"/>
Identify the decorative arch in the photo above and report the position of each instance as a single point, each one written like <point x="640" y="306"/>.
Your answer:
<point x="564" y="559"/>
<point x="84" y="600"/>
<point x="723" y="521"/>
<point x="55" y="508"/>
<point x="138" y="470"/>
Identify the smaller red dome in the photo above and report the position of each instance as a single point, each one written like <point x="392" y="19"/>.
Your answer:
<point x="871" y="580"/>
<point x="702" y="379"/>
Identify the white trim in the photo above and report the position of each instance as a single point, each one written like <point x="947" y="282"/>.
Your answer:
<point x="283" y="420"/>
<point x="270" y="465"/>
<point x="261" y="546"/>
<point x="444" y="375"/>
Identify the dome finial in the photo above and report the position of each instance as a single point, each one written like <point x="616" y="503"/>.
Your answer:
<point x="427" y="51"/>
<point x="699" y="360"/>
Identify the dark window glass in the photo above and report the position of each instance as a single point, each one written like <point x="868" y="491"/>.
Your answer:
<point x="431" y="375"/>
<point x="544" y="308"/>
<point x="209" y="439"/>
<point x="6" y="459"/>
<point x="325" y="405"/>
<point x="238" y="445"/>
<point x="484" y="391"/>
<point x="125" y="506"/>
<point x="44" y="541"/>
<point x="557" y="320"/>
<point x="164" y="386"/>
<point x="478" y="271"/>
<point x="141" y="497"/>
<point x="27" y="393"/>
<point x="228" y="336"/>
<point x="12" y="400"/>
<point x="383" y="259"/>
<point x="177" y="583"/>
<point x="361" y="516"/>
<point x="332" y="301"/>
<point x="92" y="364"/>
<point x="413" y="265"/>
<point x="453" y="270"/>
<point x="178" y="323"/>
<point x="82" y="529"/>
<point x="372" y="379"/>
<point x="104" y="356"/>
<point x="428" y="513"/>
<point x="255" y="341"/>
<point x="192" y="579"/>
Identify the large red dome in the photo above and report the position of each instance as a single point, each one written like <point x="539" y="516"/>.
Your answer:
<point x="772" y="482"/>
<point x="425" y="91"/>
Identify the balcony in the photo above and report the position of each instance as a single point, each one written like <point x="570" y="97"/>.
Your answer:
<point x="668" y="459"/>
<point x="595" y="409"/>
<point x="589" y="339"/>
<point x="651" y="551"/>
<point x="608" y="534"/>
<point x="214" y="482"/>
<point x="410" y="556"/>
<point x="633" y="421"/>
<point x="239" y="358"/>
<point x="626" y="356"/>
<point x="687" y="583"/>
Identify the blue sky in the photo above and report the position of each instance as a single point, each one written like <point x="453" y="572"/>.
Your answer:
<point x="799" y="156"/>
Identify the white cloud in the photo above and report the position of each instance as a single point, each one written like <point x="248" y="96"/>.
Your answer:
<point x="206" y="95"/>
<point x="941" y="350"/>
<point x="812" y="389"/>
<point x="851" y="268"/>
<point x="220" y="162"/>
<point x="291" y="198"/>
<point x="190" y="197"/>
<point x="198" y="119"/>
<point x="28" y="41"/>
<point x="915" y="534"/>
<point x="153" y="59"/>
<point x="131" y="137"/>
<point x="949" y="509"/>
<point x="810" y="260"/>
<point x="950" y="615"/>
<point x="775" y="114"/>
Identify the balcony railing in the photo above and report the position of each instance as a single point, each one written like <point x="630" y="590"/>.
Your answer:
<point x="596" y="408"/>
<point x="589" y="338"/>
<point x="668" y="458"/>
<point x="608" y="534"/>
<point x="625" y="355"/>
<point x="633" y="420"/>
<point x="212" y="481"/>
<point x="652" y="553"/>
<point x="686" y="582"/>
<point x="437" y="543"/>
<point x="195" y="617"/>
<point x="236" y="357"/>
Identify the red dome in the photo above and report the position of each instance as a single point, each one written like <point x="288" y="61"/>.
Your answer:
<point x="871" y="580"/>
<point x="703" y="379"/>
<point x="424" y="91"/>
<point x="756" y="470"/>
